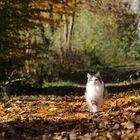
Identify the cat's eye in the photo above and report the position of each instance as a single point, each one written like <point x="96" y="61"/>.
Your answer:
<point x="96" y="79"/>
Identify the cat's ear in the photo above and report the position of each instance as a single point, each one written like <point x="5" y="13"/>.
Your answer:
<point x="88" y="76"/>
<point x="98" y="74"/>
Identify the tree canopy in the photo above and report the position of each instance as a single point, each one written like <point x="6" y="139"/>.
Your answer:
<point x="52" y="31"/>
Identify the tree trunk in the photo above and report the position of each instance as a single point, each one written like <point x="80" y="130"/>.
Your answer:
<point x="65" y="33"/>
<point x="69" y="26"/>
<point x="51" y="16"/>
<point x="43" y="36"/>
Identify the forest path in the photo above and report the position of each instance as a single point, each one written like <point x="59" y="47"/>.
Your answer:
<point x="66" y="117"/>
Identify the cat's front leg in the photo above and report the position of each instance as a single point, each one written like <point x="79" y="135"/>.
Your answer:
<point x="93" y="106"/>
<point x="94" y="109"/>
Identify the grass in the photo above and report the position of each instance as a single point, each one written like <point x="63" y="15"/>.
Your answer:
<point x="59" y="84"/>
<point x="3" y="98"/>
<point x="119" y="65"/>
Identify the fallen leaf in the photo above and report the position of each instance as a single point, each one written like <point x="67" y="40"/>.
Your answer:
<point x="129" y="125"/>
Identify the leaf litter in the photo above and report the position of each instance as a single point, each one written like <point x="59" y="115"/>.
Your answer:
<point x="67" y="118"/>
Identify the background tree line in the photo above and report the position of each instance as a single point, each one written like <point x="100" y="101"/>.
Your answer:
<point x="41" y="39"/>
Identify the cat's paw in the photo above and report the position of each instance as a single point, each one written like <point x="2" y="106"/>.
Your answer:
<point x="94" y="109"/>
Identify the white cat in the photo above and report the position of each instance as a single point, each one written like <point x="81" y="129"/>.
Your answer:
<point x="95" y="92"/>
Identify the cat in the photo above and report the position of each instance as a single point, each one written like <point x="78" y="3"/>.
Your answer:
<point x="95" y="92"/>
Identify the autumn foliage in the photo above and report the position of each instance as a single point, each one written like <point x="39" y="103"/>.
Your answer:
<point x="67" y="117"/>
<point x="44" y="41"/>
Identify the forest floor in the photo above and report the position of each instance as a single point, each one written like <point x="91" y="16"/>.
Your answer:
<point x="50" y="117"/>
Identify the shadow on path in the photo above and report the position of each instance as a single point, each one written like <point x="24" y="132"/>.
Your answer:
<point x="80" y="90"/>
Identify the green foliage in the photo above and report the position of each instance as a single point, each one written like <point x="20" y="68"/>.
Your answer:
<point x="105" y="34"/>
<point x="98" y="41"/>
<point x="59" y="84"/>
<point x="15" y="17"/>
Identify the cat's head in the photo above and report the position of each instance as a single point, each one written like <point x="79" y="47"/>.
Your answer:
<point x="94" y="79"/>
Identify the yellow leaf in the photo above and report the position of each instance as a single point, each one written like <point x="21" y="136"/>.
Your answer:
<point x="53" y="109"/>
